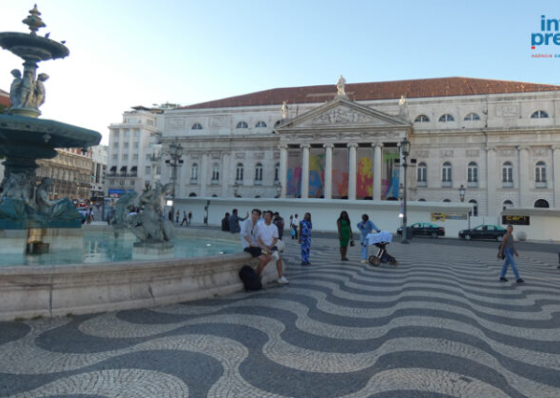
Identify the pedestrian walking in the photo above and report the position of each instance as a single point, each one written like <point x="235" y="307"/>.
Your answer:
<point x="507" y="249"/>
<point x="366" y="226"/>
<point x="344" y="227"/>
<point x="304" y="240"/>
<point x="185" y="219"/>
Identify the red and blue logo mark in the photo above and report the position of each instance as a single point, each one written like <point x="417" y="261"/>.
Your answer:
<point x="549" y="34"/>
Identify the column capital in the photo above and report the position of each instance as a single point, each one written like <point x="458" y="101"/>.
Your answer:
<point x="283" y="146"/>
<point x="352" y="145"/>
<point x="523" y="147"/>
<point x="490" y="149"/>
<point x="305" y="146"/>
<point x="328" y="145"/>
<point x="377" y="144"/>
<point x="555" y="147"/>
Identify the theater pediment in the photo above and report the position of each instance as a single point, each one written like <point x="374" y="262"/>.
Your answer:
<point x="342" y="114"/>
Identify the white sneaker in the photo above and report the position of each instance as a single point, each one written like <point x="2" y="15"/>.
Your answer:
<point x="283" y="280"/>
<point x="363" y="261"/>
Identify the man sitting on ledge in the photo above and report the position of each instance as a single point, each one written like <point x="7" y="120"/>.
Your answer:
<point x="267" y="237"/>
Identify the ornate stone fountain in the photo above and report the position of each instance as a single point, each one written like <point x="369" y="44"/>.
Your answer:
<point x="24" y="138"/>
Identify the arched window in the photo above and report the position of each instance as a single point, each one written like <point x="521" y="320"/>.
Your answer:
<point x="447" y="173"/>
<point x="475" y="207"/>
<point x="507" y="173"/>
<point x="421" y="174"/>
<point x="507" y="204"/>
<point x="242" y="125"/>
<point x="540" y="172"/>
<point x="277" y="172"/>
<point x="539" y="115"/>
<point x="472" y="116"/>
<point x="258" y="173"/>
<point x="215" y="173"/>
<point x="421" y="119"/>
<point x="472" y="172"/>
<point x="421" y="200"/>
<point x="192" y="195"/>
<point x="239" y="173"/>
<point x="447" y="200"/>
<point x="541" y="203"/>
<point x="446" y="118"/>
<point x="260" y="124"/>
<point x="194" y="172"/>
<point x="196" y="126"/>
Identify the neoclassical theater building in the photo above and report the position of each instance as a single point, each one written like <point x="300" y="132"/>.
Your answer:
<point x="499" y="140"/>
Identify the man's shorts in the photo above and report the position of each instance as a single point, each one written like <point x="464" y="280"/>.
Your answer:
<point x="253" y="251"/>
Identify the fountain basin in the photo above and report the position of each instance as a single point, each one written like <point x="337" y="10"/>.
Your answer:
<point x="30" y="291"/>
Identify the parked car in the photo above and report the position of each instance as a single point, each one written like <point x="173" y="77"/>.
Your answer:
<point x="485" y="231"/>
<point x="425" y="229"/>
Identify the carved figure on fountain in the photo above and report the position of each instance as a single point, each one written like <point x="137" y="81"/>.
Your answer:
<point x="152" y="225"/>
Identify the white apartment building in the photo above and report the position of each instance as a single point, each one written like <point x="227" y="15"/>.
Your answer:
<point x="134" y="154"/>
<point x="100" y="154"/>
<point x="499" y="140"/>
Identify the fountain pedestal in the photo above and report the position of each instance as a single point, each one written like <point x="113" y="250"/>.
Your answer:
<point x="153" y="251"/>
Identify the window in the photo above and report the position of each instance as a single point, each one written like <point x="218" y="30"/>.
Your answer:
<point x="507" y="204"/>
<point x="239" y="173"/>
<point x="136" y="145"/>
<point x="446" y="200"/>
<point x="196" y="126"/>
<point x="446" y="172"/>
<point x="421" y="174"/>
<point x="116" y="144"/>
<point x="540" y="172"/>
<point x="446" y="118"/>
<point x="258" y="173"/>
<point x="242" y="125"/>
<point x="475" y="207"/>
<point x="542" y="204"/>
<point x="260" y="124"/>
<point x="421" y="119"/>
<point x="277" y="172"/>
<point x="472" y="116"/>
<point x="136" y="133"/>
<point x="215" y="173"/>
<point x="115" y="157"/>
<point x="135" y="157"/>
<point x="194" y="172"/>
<point x="507" y="173"/>
<point x="148" y="170"/>
<point x="124" y="157"/>
<point x="421" y="200"/>
<point x="539" y="115"/>
<point x="472" y="172"/>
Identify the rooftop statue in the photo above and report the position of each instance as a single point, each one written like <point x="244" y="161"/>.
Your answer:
<point x="341" y="86"/>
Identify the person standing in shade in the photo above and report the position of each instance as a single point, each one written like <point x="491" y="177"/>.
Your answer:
<point x="190" y="218"/>
<point x="507" y="249"/>
<point x="177" y="217"/>
<point x="234" y="220"/>
<point x="366" y="227"/>
<point x="225" y="223"/>
<point x="279" y="222"/>
<point x="344" y="233"/>
<point x="294" y="227"/>
<point x="305" y="227"/>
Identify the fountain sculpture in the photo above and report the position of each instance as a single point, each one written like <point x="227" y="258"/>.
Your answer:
<point x="25" y="205"/>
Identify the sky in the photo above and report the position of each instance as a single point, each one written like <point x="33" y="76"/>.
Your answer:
<point x="125" y="53"/>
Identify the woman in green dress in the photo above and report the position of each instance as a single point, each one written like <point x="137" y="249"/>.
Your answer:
<point x="344" y="233"/>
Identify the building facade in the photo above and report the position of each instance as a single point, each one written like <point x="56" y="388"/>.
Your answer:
<point x="134" y="160"/>
<point x="497" y="140"/>
<point x="98" y="171"/>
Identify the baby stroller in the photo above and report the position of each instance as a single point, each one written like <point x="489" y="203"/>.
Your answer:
<point x="381" y="240"/>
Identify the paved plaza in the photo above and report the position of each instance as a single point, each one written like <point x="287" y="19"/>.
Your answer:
<point x="438" y="325"/>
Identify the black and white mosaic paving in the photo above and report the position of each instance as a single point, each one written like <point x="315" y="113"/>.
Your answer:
<point x="438" y="325"/>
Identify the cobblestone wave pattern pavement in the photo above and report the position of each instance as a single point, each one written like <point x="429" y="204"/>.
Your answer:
<point x="438" y="325"/>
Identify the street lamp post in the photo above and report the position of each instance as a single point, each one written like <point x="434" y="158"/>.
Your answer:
<point x="278" y="189"/>
<point x="405" y="151"/>
<point x="462" y="193"/>
<point x="175" y="154"/>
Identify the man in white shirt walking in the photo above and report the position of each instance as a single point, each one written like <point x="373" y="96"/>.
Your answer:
<point x="267" y="236"/>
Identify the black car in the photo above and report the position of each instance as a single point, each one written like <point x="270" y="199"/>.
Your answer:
<point x="485" y="231"/>
<point x="424" y="229"/>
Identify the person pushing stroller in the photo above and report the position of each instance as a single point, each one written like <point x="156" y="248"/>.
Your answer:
<point x="366" y="226"/>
